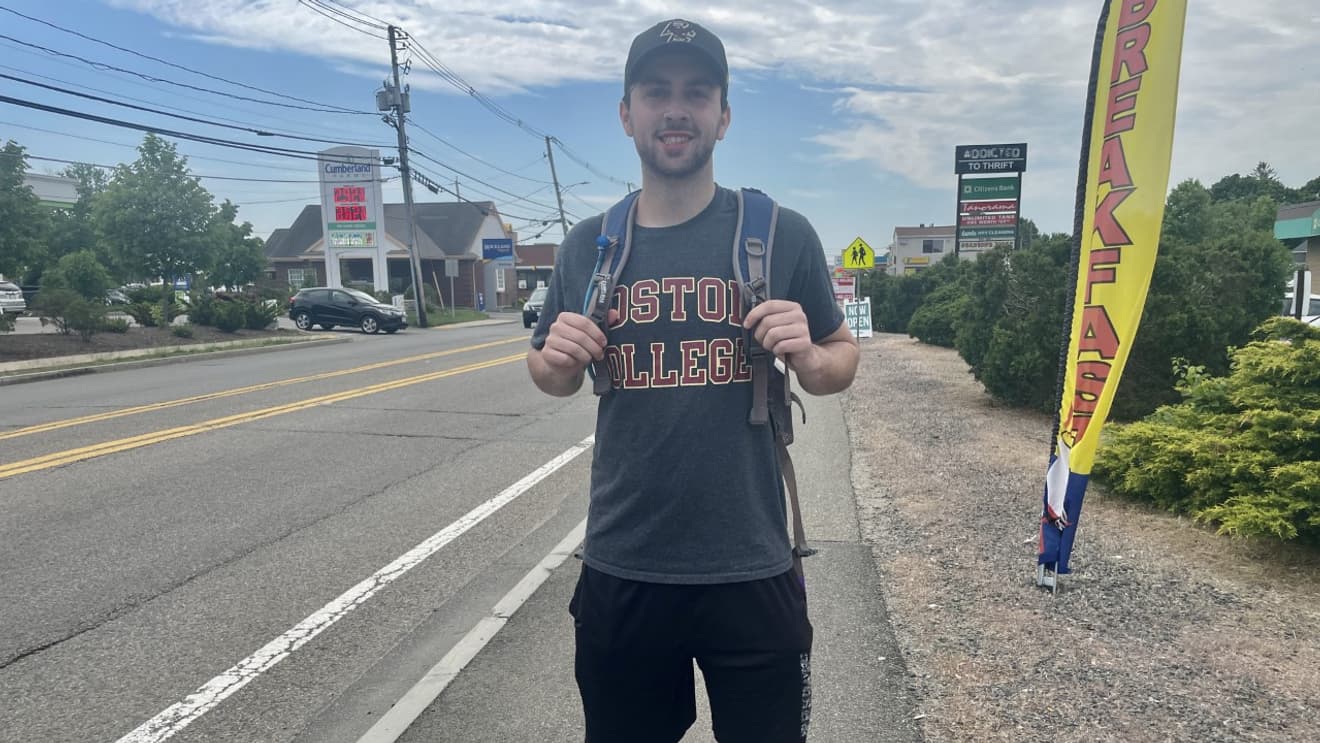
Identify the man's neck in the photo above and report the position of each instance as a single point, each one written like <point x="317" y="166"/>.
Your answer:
<point x="665" y="203"/>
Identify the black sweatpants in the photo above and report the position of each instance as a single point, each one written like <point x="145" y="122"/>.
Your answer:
<point x="636" y="643"/>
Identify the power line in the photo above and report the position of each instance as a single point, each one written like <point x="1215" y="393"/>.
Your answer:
<point x="103" y="66"/>
<point x="135" y="146"/>
<point x="190" y="175"/>
<point x="427" y="157"/>
<point x="448" y="75"/>
<point x="236" y="108"/>
<point x="32" y="74"/>
<point x="354" y="14"/>
<point x="324" y="13"/>
<point x="266" y="149"/>
<point x="431" y="182"/>
<point x="455" y="147"/>
<point x="167" y="62"/>
<point x="194" y="119"/>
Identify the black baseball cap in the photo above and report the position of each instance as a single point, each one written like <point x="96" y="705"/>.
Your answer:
<point x="681" y="34"/>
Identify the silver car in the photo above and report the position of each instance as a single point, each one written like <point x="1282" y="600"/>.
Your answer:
<point x="11" y="299"/>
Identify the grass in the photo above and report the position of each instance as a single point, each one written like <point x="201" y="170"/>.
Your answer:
<point x="436" y="316"/>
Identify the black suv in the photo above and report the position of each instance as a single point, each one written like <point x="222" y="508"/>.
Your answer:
<point x="331" y="306"/>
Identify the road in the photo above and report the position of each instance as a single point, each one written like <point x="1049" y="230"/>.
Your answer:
<point x="278" y="547"/>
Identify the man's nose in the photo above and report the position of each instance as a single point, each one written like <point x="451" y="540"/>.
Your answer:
<point x="677" y="117"/>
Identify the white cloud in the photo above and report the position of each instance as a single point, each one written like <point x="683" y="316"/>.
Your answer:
<point x="912" y="78"/>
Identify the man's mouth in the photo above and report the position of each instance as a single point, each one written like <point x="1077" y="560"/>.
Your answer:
<point x="675" y="138"/>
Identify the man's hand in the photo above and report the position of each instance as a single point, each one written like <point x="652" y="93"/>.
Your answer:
<point x="780" y="327"/>
<point x="573" y="342"/>
<point x="822" y="368"/>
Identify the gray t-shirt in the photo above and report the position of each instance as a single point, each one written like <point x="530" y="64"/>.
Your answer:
<point x="683" y="489"/>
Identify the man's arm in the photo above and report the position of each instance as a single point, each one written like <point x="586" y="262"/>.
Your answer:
<point x="822" y="368"/>
<point x="573" y="342"/>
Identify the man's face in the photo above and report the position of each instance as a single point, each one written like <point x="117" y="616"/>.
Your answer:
<point x="674" y="115"/>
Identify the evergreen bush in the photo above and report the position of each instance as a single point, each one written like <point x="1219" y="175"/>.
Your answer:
<point x="1241" y="451"/>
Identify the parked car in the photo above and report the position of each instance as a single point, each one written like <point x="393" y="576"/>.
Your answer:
<point x="331" y="306"/>
<point x="532" y="310"/>
<point x="1310" y="316"/>
<point x="11" y="299"/>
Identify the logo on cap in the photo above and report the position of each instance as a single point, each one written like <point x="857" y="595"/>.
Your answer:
<point x="680" y="31"/>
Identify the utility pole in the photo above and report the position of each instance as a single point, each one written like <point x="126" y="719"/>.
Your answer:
<point x="558" y="196"/>
<point x="396" y="99"/>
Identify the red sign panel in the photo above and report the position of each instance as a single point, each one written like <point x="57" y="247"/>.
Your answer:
<point x="987" y="220"/>
<point x="979" y="207"/>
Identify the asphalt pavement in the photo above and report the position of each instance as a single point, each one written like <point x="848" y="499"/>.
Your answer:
<point x="518" y="685"/>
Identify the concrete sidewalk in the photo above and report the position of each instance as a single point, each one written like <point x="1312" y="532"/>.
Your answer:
<point x="520" y="687"/>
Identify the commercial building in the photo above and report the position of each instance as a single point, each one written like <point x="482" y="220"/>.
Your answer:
<point x="1298" y="227"/>
<point x="447" y="233"/>
<point x="917" y="248"/>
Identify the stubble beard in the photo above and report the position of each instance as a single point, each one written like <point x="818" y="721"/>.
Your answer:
<point x="654" y="161"/>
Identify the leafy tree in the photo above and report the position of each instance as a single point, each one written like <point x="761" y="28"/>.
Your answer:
<point x="237" y="258"/>
<point x="943" y="303"/>
<point x="1218" y="274"/>
<point x="81" y="273"/>
<point x="23" y="220"/>
<point x="1262" y="181"/>
<point x="1012" y="329"/>
<point x="72" y="228"/>
<point x="154" y="217"/>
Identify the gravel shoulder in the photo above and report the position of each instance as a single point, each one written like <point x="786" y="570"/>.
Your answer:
<point x="1163" y="631"/>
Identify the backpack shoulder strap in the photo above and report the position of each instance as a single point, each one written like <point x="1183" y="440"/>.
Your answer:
<point x="753" y="246"/>
<point x="613" y="246"/>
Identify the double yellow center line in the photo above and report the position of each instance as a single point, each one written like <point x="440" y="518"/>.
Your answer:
<point x="134" y="442"/>
<point x="96" y="417"/>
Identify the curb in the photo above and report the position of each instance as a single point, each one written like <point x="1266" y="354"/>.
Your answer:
<point x="92" y="367"/>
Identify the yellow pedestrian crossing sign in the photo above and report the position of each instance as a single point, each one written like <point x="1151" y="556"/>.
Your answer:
<point x="859" y="255"/>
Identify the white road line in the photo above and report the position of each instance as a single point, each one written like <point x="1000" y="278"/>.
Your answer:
<point x="181" y="714"/>
<point x="411" y="706"/>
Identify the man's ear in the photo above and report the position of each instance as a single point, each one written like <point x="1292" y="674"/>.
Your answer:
<point x="625" y="117"/>
<point x="726" y="118"/>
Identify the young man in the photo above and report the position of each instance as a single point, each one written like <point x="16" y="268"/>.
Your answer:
<point x="687" y="554"/>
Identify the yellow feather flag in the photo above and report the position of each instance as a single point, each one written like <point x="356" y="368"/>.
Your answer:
<point x="1127" y="143"/>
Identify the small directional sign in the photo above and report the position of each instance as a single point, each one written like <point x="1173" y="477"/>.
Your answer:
<point x="859" y="255"/>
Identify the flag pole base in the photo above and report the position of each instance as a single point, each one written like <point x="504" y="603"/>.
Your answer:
<point x="1048" y="579"/>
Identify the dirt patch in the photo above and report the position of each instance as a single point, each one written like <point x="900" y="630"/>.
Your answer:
<point x="1164" y="631"/>
<point x="21" y="347"/>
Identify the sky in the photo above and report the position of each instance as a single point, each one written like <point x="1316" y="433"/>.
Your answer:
<point x="847" y="111"/>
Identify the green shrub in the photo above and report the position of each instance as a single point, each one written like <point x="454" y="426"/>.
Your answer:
<point x="1241" y="451"/>
<point x="935" y="321"/>
<point x="432" y="297"/>
<point x="1011" y="327"/>
<point x="202" y="311"/>
<point x="229" y="316"/>
<point x="6" y="322"/>
<point x="115" y="325"/>
<point x="257" y="315"/>
<point x="152" y="314"/>
<point x="182" y="331"/>
<point x="69" y="312"/>
<point x="80" y="273"/>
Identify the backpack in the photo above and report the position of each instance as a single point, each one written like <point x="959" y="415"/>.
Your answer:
<point x="772" y="396"/>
